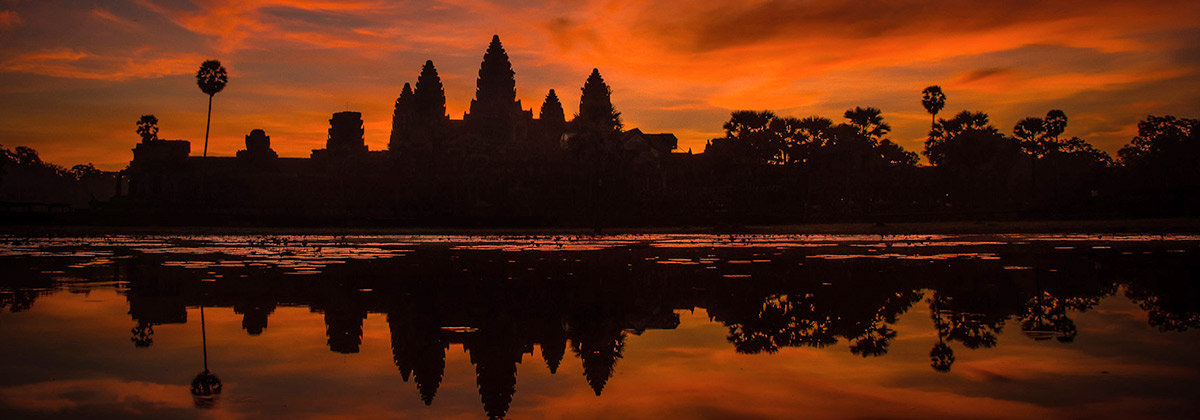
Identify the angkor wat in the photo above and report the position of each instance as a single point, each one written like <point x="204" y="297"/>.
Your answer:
<point x="498" y="164"/>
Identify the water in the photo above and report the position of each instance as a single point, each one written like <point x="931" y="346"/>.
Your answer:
<point x="637" y="326"/>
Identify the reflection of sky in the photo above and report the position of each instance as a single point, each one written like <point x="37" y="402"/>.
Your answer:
<point x="76" y="75"/>
<point x="310" y="253"/>
<point x="70" y="355"/>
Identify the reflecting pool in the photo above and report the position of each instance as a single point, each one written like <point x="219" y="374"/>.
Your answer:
<point x="599" y="327"/>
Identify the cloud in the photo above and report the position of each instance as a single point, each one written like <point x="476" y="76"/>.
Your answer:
<point x="108" y="16"/>
<point x="73" y="64"/>
<point x="9" y="18"/>
<point x="980" y="74"/>
<point x="110" y="394"/>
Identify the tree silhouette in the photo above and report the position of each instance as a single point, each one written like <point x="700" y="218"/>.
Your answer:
<point x="1055" y="123"/>
<point x="1162" y="140"/>
<point x="1162" y="164"/>
<point x="933" y="99"/>
<point x="868" y="122"/>
<point x="1030" y="132"/>
<point x="1040" y="136"/>
<point x="212" y="79"/>
<point x="965" y="137"/>
<point x="83" y="171"/>
<point x="147" y="127"/>
<point x="754" y="130"/>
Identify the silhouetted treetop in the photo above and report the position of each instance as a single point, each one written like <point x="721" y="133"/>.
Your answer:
<point x="82" y="171"/>
<point x="1029" y="129"/>
<point x="869" y="122"/>
<point x="1161" y="138"/>
<point x="765" y="138"/>
<point x="933" y="99"/>
<point x="211" y="77"/>
<point x="754" y="130"/>
<point x="429" y="98"/>
<point x="147" y="127"/>
<point x="552" y="109"/>
<point x="895" y="154"/>
<point x="1040" y="136"/>
<point x="1055" y="123"/>
<point x="968" y="136"/>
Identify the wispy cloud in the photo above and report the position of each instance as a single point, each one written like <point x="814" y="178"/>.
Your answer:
<point x="74" y="64"/>
<point x="9" y="18"/>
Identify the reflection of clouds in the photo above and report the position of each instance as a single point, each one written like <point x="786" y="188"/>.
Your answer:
<point x="94" y="394"/>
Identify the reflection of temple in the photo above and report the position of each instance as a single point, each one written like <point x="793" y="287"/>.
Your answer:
<point x="499" y="312"/>
<point x="497" y="164"/>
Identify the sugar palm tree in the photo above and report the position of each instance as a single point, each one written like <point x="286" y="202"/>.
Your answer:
<point x="205" y="386"/>
<point x="147" y="127"/>
<point x="212" y="79"/>
<point x="933" y="100"/>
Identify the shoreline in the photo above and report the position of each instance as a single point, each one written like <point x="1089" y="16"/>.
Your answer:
<point x="1129" y="226"/>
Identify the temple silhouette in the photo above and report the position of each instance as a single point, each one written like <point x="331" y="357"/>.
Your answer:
<point x="498" y="164"/>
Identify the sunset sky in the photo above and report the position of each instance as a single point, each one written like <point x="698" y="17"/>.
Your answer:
<point x="76" y="75"/>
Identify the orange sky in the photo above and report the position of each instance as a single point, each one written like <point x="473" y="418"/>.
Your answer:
<point x="75" y="77"/>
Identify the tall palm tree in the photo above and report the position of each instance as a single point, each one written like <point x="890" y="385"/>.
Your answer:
<point x="212" y="79"/>
<point x="933" y="100"/>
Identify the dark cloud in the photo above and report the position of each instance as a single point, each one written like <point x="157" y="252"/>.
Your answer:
<point x="976" y="75"/>
<point x="303" y="19"/>
<point x="715" y="27"/>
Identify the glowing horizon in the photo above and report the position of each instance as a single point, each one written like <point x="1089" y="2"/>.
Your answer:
<point x="674" y="66"/>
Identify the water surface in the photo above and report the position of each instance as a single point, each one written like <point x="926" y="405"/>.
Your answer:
<point x="634" y="326"/>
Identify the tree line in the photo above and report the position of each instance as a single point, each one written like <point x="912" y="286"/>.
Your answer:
<point x="816" y="167"/>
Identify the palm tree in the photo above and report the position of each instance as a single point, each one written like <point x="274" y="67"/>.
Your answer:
<point x="211" y="78"/>
<point x="147" y="127"/>
<point x="933" y="100"/>
<point x="869" y="122"/>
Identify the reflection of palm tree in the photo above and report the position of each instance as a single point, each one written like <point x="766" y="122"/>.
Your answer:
<point x="941" y="357"/>
<point x="142" y="334"/>
<point x="933" y="100"/>
<point x="212" y="79"/>
<point x="875" y="342"/>
<point x="206" y="385"/>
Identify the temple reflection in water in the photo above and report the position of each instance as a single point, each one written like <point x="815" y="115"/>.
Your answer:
<point x="580" y="306"/>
